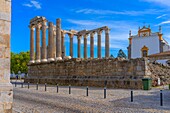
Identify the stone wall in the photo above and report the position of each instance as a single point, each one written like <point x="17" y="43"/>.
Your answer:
<point x="159" y="71"/>
<point x="118" y="73"/>
<point x="6" y="93"/>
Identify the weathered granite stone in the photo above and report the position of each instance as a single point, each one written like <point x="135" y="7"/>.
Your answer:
<point x="6" y="91"/>
<point x="119" y="73"/>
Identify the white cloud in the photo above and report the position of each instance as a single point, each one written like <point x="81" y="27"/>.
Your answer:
<point x="27" y="5"/>
<point x="36" y="4"/>
<point x="159" y="2"/>
<point x="119" y="33"/>
<point x="83" y="22"/>
<point x="106" y="12"/>
<point x="164" y="22"/>
<point x="33" y="3"/>
<point x="161" y="16"/>
<point x="167" y="37"/>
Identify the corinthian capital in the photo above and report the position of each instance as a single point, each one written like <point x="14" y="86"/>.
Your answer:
<point x="92" y="34"/>
<point x="31" y="27"/>
<point x="99" y="32"/>
<point x="85" y="35"/>
<point x="38" y="26"/>
<point x="107" y="30"/>
<point x="71" y="35"/>
<point x="79" y="36"/>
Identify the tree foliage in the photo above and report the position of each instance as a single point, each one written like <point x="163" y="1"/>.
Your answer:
<point x="19" y="62"/>
<point x="112" y="56"/>
<point x="121" y="54"/>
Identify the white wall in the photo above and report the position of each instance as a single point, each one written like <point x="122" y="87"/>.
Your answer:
<point x="152" y="42"/>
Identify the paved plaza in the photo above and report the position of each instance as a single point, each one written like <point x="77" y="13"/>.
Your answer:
<point x="117" y="100"/>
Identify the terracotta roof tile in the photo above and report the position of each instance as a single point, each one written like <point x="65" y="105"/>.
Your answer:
<point x="167" y="53"/>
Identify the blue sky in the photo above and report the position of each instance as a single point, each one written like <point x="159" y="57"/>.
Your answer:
<point x="119" y="15"/>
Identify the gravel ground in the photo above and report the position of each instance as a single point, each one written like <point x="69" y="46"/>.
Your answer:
<point x="117" y="100"/>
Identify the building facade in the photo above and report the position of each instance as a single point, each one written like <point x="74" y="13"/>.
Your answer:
<point x="146" y="43"/>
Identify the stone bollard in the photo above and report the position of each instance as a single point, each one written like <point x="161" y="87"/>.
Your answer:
<point x="69" y="89"/>
<point x="161" y="98"/>
<point x="131" y="95"/>
<point x="87" y="91"/>
<point x="105" y="92"/>
<point x="37" y="86"/>
<point x="45" y="87"/>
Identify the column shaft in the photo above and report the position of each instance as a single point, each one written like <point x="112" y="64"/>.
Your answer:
<point x="79" y="46"/>
<point x="62" y="44"/>
<point x="107" y="43"/>
<point x="50" y="41"/>
<point x="58" y="39"/>
<point x="38" y="43"/>
<point x="92" y="45"/>
<point x="99" y="44"/>
<point x="71" y="44"/>
<point x="43" y="53"/>
<point x="85" y="46"/>
<point x="54" y="45"/>
<point x="31" y="44"/>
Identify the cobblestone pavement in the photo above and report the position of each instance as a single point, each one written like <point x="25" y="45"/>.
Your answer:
<point x="117" y="100"/>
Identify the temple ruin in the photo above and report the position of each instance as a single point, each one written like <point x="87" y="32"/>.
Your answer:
<point x="48" y="63"/>
<point x="56" y="48"/>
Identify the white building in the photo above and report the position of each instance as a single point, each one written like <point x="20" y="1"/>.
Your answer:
<point x="146" y="43"/>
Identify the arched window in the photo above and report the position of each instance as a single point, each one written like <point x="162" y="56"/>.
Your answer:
<point x="144" y="51"/>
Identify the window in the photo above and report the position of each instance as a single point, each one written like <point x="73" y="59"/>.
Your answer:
<point x="144" y="51"/>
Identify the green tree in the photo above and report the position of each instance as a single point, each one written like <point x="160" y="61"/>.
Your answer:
<point x="19" y="62"/>
<point x="112" y="56"/>
<point x="121" y="54"/>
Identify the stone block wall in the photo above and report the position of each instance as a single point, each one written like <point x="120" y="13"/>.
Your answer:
<point x="118" y="73"/>
<point x="159" y="71"/>
<point x="6" y="93"/>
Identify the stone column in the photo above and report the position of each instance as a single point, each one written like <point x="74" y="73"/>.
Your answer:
<point x="99" y="43"/>
<point x="6" y="88"/>
<point x="44" y="52"/>
<point x="79" y="46"/>
<point x="85" y="46"/>
<point x="54" y="45"/>
<point x="62" y="43"/>
<point x="38" y="51"/>
<point x="50" y="42"/>
<point x="107" y="43"/>
<point x="92" y="45"/>
<point x="31" y="44"/>
<point x="58" y="39"/>
<point x="71" y="44"/>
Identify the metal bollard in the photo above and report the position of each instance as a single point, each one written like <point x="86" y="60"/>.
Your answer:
<point x="87" y="91"/>
<point x="161" y="98"/>
<point x="45" y="87"/>
<point x="15" y="84"/>
<point x="22" y="85"/>
<point x="105" y="92"/>
<point x="37" y="86"/>
<point x="69" y="89"/>
<point x="131" y="95"/>
<point x="28" y="85"/>
<point x="57" y="88"/>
